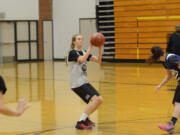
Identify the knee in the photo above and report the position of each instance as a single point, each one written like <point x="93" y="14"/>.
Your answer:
<point x="99" y="100"/>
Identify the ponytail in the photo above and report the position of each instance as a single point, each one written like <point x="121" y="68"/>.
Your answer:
<point x="71" y="47"/>
<point x="156" y="53"/>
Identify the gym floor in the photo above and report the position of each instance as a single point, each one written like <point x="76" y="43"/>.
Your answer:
<point x="130" y="105"/>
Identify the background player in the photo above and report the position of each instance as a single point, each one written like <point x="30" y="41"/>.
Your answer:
<point x="171" y="63"/>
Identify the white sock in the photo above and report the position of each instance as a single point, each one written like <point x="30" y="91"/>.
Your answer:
<point x="83" y="117"/>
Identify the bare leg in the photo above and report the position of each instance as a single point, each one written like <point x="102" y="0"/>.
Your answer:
<point x="176" y="110"/>
<point x="92" y="106"/>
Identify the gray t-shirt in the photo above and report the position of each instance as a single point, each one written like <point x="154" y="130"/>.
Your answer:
<point x="77" y="71"/>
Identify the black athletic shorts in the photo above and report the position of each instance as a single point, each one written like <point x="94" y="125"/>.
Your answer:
<point x="86" y="92"/>
<point x="2" y="85"/>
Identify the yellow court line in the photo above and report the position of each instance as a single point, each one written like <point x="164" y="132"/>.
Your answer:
<point x="152" y="18"/>
<point x="158" y="17"/>
<point x="173" y="17"/>
<point x="137" y="54"/>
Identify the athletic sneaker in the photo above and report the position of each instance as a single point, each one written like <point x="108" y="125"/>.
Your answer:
<point x="169" y="127"/>
<point x="89" y="122"/>
<point x="82" y="125"/>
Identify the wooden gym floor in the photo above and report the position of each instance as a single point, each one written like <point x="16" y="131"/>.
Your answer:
<point x="130" y="105"/>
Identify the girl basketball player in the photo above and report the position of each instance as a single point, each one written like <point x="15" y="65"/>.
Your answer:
<point x="7" y="111"/>
<point x="171" y="62"/>
<point x="77" y="59"/>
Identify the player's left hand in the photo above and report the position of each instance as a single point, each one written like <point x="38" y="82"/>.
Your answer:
<point x="157" y="88"/>
<point x="100" y="47"/>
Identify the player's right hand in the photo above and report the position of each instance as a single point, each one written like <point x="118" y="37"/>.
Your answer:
<point x="22" y="106"/>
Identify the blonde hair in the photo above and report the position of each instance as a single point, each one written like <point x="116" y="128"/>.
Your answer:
<point x="71" y="47"/>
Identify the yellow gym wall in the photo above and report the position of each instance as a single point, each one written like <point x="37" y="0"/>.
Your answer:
<point x="141" y="24"/>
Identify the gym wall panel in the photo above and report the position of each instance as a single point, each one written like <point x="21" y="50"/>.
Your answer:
<point x="125" y="30"/>
<point x="158" y="23"/>
<point x="148" y="7"/>
<point x="153" y="35"/>
<point x="156" y="29"/>
<point x="149" y="46"/>
<point x="145" y="51"/>
<point x="141" y="13"/>
<point x="144" y="57"/>
<point x="64" y="29"/>
<point x="125" y="56"/>
<point x="126" y="35"/>
<point x="20" y="9"/>
<point x="126" y="46"/>
<point x="125" y="51"/>
<point x="141" y="24"/>
<point x="126" y="40"/>
<point x="143" y="2"/>
<point x="126" y="24"/>
<point x="125" y="19"/>
<point x="154" y="40"/>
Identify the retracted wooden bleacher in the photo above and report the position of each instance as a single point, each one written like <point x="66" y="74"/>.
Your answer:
<point x="141" y="24"/>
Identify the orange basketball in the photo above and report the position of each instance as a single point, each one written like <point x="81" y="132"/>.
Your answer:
<point x="97" y="39"/>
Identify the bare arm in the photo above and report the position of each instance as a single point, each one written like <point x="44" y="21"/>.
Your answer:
<point x="99" y="58"/>
<point x="83" y="58"/>
<point x="9" y="112"/>
<point x="165" y="80"/>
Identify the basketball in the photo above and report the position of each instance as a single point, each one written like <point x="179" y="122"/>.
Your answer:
<point x="97" y="39"/>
